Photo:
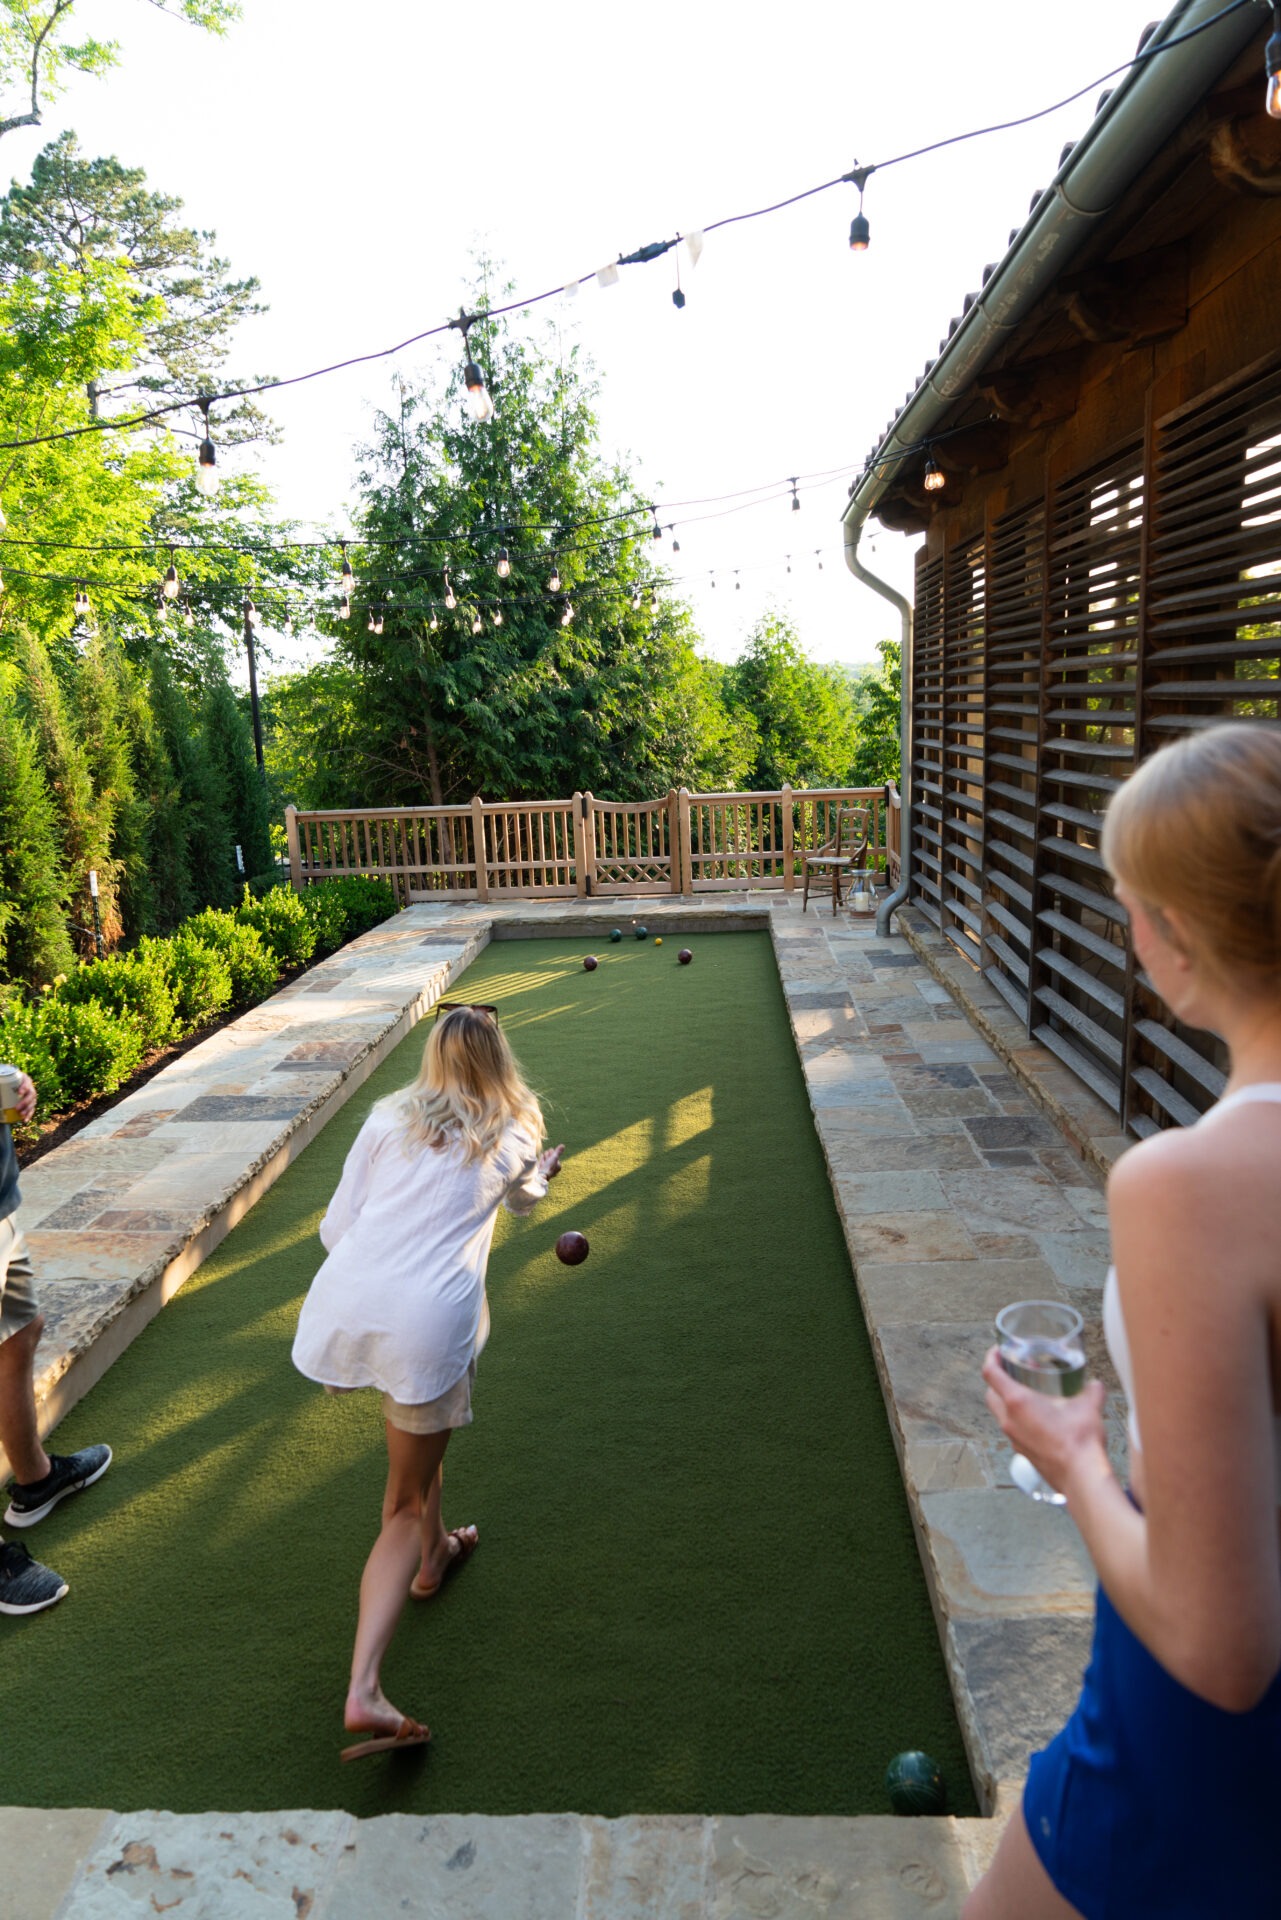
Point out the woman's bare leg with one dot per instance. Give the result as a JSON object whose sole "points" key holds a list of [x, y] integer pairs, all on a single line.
{"points": [[1016, 1885], [413, 1479]]}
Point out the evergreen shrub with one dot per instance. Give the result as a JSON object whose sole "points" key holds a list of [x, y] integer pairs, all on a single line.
{"points": [[250, 962], [93, 1049], [365, 903], [136, 988], [327, 915], [198, 976], [24, 1043], [282, 924]]}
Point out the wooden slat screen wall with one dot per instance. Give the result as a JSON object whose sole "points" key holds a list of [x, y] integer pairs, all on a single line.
{"points": [[965, 597], [927, 740], [1015, 606], [1079, 955], [1139, 600]]}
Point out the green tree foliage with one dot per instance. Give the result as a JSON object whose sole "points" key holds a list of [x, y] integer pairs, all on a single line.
{"points": [[877, 695], [447, 702], [230, 745], [36, 53], [102, 691], [84, 813], [202, 796], [802, 713], [34, 943]]}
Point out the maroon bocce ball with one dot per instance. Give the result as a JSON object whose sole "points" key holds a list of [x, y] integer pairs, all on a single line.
{"points": [[572, 1248], [684, 956], [590, 963]]}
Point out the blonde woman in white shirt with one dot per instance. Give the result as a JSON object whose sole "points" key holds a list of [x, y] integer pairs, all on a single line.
{"points": [[400, 1305]]}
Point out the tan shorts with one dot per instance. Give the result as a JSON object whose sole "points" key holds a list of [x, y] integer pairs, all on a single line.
{"points": [[18, 1303], [450, 1409]]}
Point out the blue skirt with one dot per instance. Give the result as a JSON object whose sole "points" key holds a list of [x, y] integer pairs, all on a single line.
{"points": [[1152, 1804]]}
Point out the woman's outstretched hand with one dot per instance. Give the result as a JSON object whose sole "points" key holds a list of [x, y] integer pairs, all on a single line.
{"points": [[1055, 1435], [549, 1162]]}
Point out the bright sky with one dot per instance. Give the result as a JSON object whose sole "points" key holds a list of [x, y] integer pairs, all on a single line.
{"points": [[354, 156]]}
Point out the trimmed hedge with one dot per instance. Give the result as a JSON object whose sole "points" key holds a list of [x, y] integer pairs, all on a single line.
{"points": [[92, 1029]]}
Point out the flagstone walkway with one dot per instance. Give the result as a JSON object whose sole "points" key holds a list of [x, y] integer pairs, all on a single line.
{"points": [[959, 1191]]}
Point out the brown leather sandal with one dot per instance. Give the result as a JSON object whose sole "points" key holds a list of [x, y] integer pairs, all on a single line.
{"points": [[468, 1541], [410, 1733]]}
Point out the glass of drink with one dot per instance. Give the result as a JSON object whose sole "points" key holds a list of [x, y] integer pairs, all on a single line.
{"points": [[10, 1081], [1040, 1344]]}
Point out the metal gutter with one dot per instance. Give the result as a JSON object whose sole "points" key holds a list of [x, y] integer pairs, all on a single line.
{"points": [[1129, 130]]}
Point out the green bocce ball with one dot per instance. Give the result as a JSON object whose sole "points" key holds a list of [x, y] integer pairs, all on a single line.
{"points": [[642, 933], [616, 935], [915, 1784]]}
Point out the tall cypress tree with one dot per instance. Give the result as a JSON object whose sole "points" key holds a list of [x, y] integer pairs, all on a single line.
{"points": [[101, 691], [34, 945], [209, 845], [231, 749], [84, 815]]}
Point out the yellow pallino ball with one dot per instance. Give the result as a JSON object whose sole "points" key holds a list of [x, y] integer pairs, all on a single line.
{"points": [[658, 940]]}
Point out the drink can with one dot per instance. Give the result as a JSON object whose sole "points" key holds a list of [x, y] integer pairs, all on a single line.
{"points": [[10, 1082]]}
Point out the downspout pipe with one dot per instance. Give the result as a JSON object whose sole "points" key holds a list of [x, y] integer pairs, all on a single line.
{"points": [[853, 533]]}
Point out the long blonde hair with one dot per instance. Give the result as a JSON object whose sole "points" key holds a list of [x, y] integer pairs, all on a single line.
{"points": [[468, 1091], [1198, 829]]}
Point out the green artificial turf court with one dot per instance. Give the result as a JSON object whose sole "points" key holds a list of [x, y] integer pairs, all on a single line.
{"points": [[697, 1588]]}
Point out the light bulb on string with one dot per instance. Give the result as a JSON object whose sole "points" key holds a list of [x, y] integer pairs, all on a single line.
{"points": [[81, 602], [250, 612], [434, 622], [1272, 62], [819, 557], [713, 579], [676, 545], [188, 617], [477, 624], [636, 599], [206, 460], [504, 563], [172, 585], [657, 530], [567, 614], [553, 579], [479, 398], [796, 498], [935, 478], [789, 562], [346, 578], [451, 598], [496, 615], [738, 585], [288, 628], [375, 620], [653, 599], [860, 232], [344, 609]]}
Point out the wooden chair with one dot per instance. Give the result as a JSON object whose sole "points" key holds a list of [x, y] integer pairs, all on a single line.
{"points": [[846, 850]]}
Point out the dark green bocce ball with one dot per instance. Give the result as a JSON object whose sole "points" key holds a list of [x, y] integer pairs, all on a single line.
{"points": [[616, 935], [642, 933], [915, 1784], [590, 963]]}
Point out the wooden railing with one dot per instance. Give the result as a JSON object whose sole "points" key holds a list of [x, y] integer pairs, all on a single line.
{"points": [[547, 849]]}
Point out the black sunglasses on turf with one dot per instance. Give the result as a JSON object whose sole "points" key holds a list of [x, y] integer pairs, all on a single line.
{"points": [[468, 1006]]}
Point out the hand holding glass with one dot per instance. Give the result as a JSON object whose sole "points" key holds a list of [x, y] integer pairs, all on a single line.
{"points": [[1040, 1345]]}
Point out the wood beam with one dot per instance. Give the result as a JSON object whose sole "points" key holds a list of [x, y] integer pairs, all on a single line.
{"points": [[1245, 154], [1141, 298], [1038, 393]]}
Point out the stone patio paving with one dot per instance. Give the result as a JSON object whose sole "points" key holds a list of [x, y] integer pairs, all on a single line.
{"points": [[959, 1190]]}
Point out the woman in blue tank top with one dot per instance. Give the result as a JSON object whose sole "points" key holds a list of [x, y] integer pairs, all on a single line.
{"points": [[1158, 1800]]}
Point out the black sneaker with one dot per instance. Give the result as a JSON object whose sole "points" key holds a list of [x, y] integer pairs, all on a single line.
{"points": [[68, 1473], [26, 1586]]}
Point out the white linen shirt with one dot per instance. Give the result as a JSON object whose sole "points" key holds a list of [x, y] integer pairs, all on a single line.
{"points": [[400, 1301]]}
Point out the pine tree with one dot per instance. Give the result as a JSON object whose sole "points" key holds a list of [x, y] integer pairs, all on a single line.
{"points": [[229, 742], [34, 945]]}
